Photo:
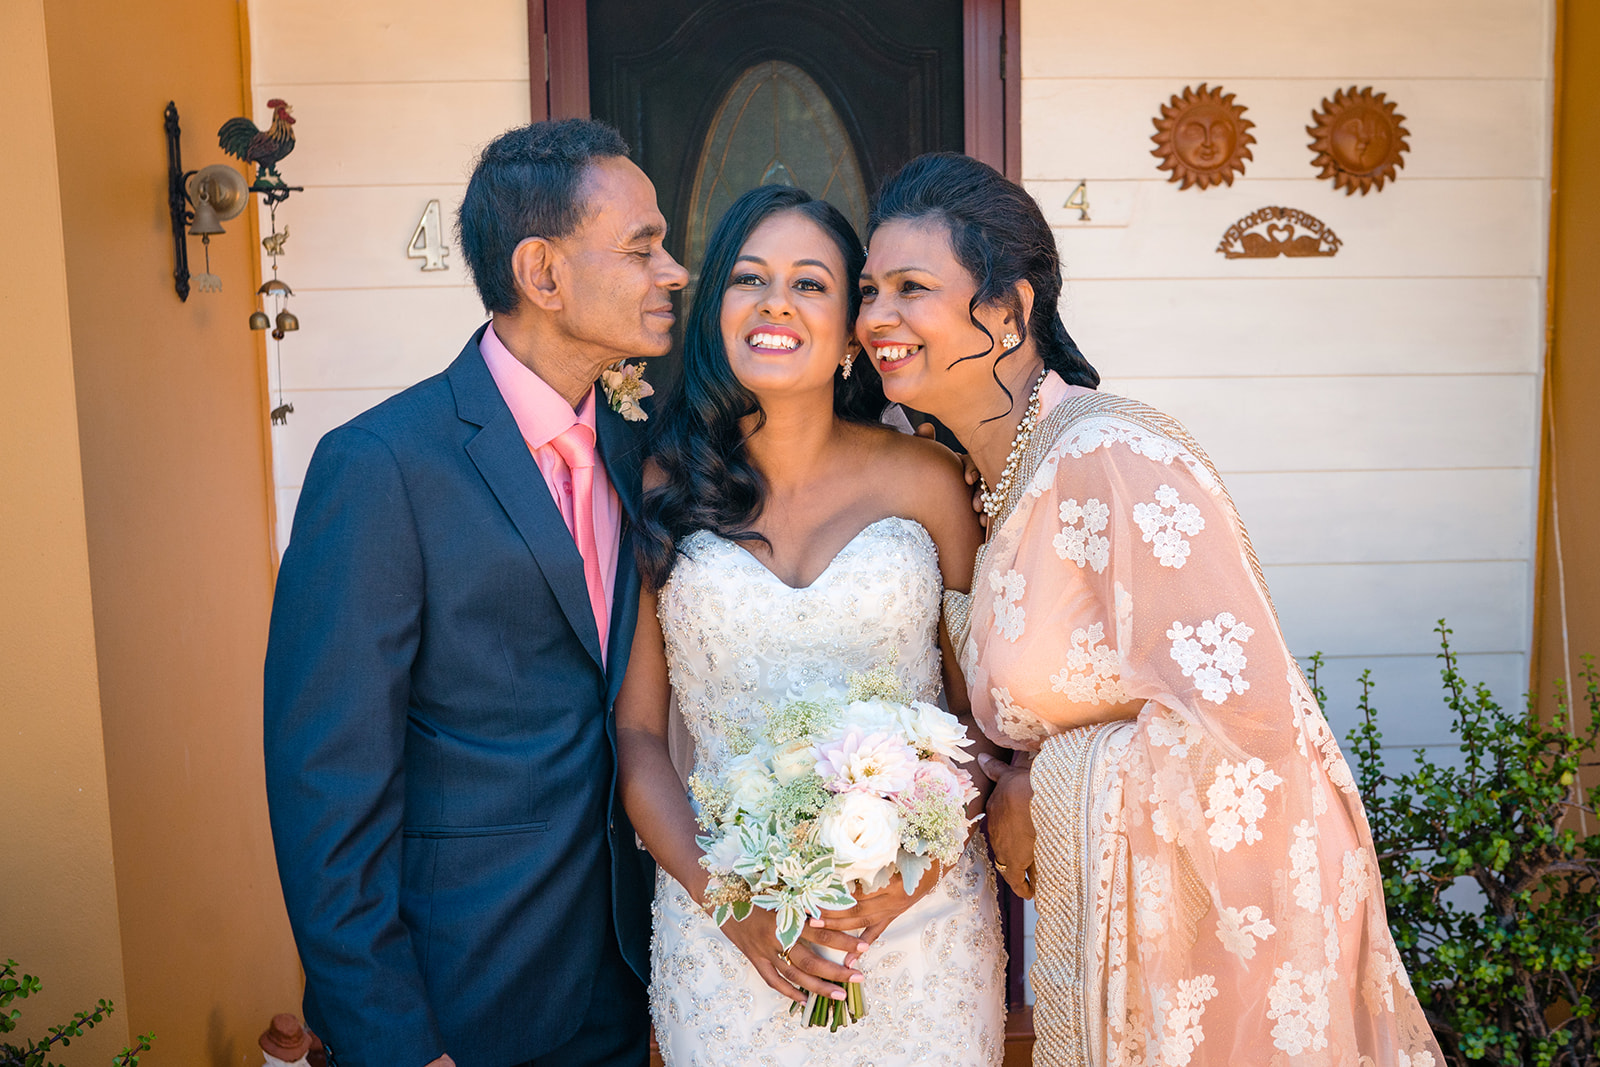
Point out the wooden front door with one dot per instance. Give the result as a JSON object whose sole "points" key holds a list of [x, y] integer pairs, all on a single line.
{"points": [[719, 97]]}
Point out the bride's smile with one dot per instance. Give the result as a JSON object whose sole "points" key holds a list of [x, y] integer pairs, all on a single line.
{"points": [[785, 311]]}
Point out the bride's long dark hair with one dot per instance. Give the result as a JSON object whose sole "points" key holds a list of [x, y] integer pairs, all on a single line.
{"points": [[698, 441]]}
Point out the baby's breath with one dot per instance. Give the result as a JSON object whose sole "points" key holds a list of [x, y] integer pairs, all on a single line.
{"points": [[709, 798], [726, 724], [880, 683], [801, 799], [798, 720], [933, 825], [720, 891]]}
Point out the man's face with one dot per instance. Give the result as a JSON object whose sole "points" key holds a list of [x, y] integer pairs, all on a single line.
{"points": [[615, 277]]}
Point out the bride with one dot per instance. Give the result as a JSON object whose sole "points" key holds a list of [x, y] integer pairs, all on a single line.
{"points": [[788, 538]]}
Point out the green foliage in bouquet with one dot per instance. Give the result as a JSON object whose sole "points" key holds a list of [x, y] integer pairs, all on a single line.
{"points": [[33, 1053], [1515, 980]]}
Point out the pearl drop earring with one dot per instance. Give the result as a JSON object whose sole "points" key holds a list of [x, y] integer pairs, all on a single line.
{"points": [[849, 361]]}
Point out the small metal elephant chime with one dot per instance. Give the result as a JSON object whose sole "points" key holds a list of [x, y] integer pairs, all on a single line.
{"points": [[241, 138]]}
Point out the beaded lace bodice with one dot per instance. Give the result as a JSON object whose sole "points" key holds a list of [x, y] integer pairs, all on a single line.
{"points": [[737, 636]]}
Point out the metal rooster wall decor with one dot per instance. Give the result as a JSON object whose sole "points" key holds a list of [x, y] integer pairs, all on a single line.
{"points": [[243, 139]]}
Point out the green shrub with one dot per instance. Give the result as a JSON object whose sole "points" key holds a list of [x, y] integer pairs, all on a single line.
{"points": [[33, 1053], [1512, 979]]}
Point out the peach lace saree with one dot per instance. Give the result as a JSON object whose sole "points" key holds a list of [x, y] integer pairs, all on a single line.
{"points": [[1206, 886]]}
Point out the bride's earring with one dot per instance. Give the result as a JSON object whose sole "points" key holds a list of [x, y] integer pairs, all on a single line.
{"points": [[849, 361], [1010, 341]]}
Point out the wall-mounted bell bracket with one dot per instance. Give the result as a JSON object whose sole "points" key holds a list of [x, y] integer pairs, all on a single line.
{"points": [[200, 201]]}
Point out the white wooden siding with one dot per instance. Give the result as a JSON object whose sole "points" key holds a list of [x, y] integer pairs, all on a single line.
{"points": [[1375, 412], [392, 101]]}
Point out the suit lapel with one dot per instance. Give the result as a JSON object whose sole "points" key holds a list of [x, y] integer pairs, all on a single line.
{"points": [[502, 457], [624, 615], [622, 448]]}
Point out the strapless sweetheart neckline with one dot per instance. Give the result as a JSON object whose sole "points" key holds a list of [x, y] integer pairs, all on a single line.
{"points": [[848, 545]]}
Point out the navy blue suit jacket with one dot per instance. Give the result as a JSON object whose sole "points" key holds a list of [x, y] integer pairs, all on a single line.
{"points": [[440, 749]]}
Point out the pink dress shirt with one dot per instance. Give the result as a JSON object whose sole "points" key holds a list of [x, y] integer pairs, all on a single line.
{"points": [[542, 416]]}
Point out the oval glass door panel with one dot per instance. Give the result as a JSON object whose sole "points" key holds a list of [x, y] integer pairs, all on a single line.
{"points": [[774, 127]]}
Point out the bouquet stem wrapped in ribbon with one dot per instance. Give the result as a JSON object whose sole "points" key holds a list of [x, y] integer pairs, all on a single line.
{"points": [[838, 791]]}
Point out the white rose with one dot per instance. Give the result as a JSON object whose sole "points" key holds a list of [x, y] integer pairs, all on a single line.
{"points": [[873, 716], [750, 784], [937, 730], [723, 855], [864, 832], [792, 760]]}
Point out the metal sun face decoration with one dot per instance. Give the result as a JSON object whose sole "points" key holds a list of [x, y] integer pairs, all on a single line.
{"points": [[1202, 137], [1358, 138]]}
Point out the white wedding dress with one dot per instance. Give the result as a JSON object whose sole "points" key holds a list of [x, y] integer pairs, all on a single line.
{"points": [[737, 636]]}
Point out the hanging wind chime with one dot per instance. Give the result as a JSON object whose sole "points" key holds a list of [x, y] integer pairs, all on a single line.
{"points": [[242, 139]]}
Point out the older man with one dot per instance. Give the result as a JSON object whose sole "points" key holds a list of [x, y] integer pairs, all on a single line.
{"points": [[453, 617]]}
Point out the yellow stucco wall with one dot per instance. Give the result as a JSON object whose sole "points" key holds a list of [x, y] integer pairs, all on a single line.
{"points": [[173, 529], [58, 904], [1573, 368]]}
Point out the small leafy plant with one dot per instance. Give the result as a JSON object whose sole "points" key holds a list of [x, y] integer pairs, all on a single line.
{"points": [[1513, 981], [13, 987]]}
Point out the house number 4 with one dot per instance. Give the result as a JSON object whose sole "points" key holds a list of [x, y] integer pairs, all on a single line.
{"points": [[427, 240], [1079, 201]]}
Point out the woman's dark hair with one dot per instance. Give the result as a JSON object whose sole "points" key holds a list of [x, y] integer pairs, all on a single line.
{"points": [[699, 441], [1000, 236], [527, 183]]}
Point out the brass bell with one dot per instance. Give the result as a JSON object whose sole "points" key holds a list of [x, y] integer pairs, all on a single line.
{"points": [[287, 323], [259, 320], [273, 287], [205, 222]]}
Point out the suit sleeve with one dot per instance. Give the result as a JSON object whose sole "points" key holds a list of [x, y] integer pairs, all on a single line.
{"points": [[346, 621]]}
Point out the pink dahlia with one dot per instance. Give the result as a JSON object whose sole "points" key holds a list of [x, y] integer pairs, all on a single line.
{"points": [[858, 762]]}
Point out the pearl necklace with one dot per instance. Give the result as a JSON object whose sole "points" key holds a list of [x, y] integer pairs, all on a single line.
{"points": [[993, 498]]}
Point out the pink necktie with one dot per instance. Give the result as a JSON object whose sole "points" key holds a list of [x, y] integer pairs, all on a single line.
{"points": [[576, 445]]}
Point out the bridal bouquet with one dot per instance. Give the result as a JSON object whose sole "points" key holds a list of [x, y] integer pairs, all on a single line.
{"points": [[840, 788]]}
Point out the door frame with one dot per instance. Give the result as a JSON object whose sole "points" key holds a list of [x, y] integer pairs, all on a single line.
{"points": [[558, 83], [558, 73]]}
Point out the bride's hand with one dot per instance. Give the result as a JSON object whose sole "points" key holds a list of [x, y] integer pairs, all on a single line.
{"points": [[1010, 821], [757, 938], [873, 912]]}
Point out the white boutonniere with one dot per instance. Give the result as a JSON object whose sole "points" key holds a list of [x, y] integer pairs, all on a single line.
{"points": [[625, 386]]}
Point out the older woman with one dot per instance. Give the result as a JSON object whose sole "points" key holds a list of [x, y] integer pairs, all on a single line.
{"points": [[1205, 881]]}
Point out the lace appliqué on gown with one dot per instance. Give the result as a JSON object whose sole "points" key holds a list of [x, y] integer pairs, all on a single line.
{"points": [[737, 636]]}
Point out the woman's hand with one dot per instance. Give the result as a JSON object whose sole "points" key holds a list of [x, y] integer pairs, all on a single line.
{"points": [[1011, 823], [969, 470], [872, 914], [757, 938]]}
